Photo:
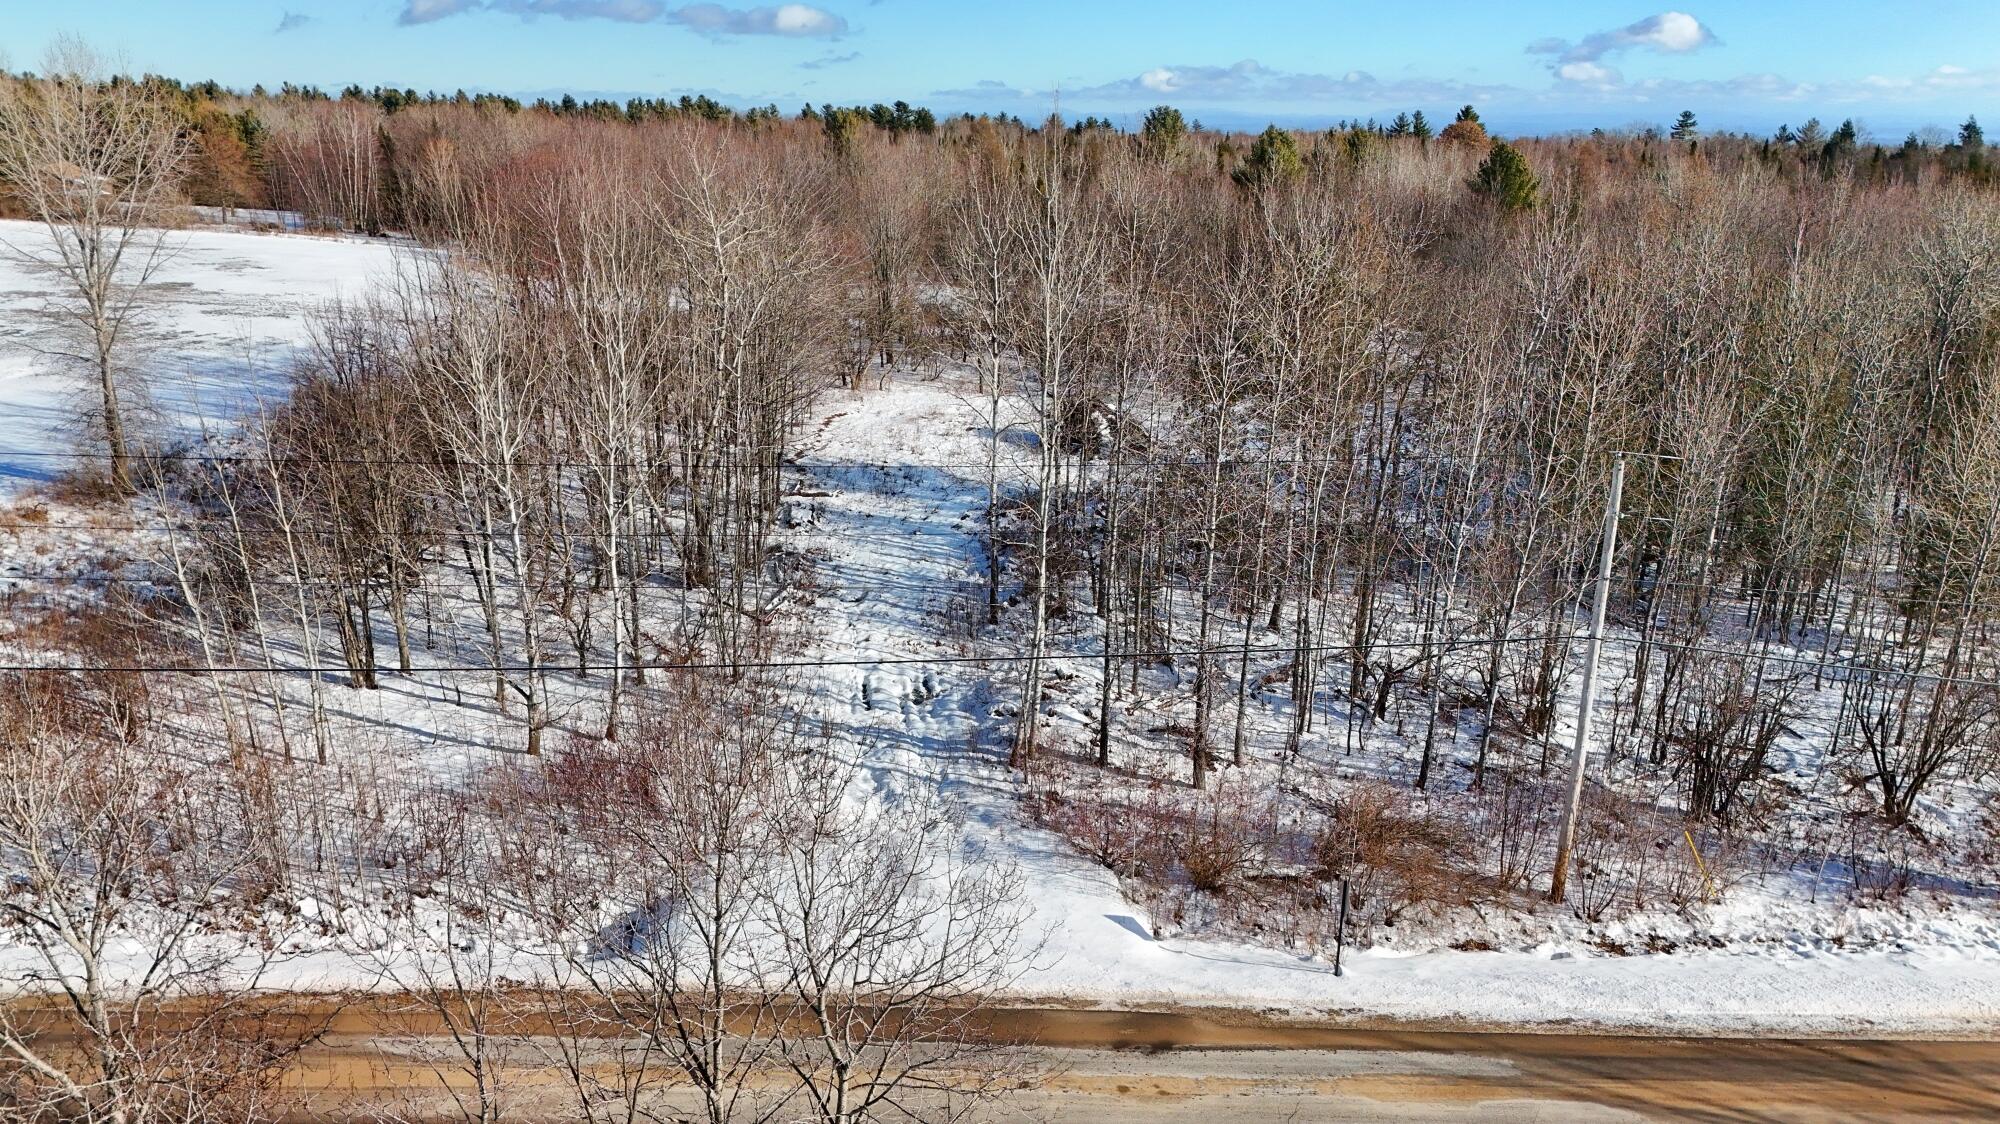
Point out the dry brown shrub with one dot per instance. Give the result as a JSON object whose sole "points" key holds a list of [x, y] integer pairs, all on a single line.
{"points": [[1631, 855], [1220, 840], [1214, 842], [87, 484], [1396, 853], [132, 853], [1514, 821], [105, 695], [1115, 829]]}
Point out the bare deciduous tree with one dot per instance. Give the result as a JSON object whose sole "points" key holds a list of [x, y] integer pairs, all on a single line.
{"points": [[127, 876], [96, 161], [891, 938]]}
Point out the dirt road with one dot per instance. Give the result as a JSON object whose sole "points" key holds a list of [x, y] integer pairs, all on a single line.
{"points": [[1113, 1067]]}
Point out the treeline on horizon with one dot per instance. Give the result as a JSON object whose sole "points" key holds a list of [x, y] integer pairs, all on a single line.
{"points": [[343, 159]]}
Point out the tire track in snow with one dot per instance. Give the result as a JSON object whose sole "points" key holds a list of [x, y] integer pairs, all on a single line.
{"points": [[896, 544]]}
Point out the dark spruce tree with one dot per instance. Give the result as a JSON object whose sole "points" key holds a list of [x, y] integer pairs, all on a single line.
{"points": [[1274, 159], [1162, 132], [1506, 180]]}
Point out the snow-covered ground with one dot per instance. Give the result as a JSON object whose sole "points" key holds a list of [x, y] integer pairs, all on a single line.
{"points": [[901, 553], [889, 498], [224, 314]]}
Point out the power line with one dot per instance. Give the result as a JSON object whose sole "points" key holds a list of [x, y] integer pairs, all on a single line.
{"points": [[1446, 647], [794, 464], [557, 666], [229, 577], [1725, 589], [1217, 651], [224, 529], [221, 525], [1855, 662]]}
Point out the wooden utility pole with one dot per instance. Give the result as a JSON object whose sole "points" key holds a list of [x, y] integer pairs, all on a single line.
{"points": [[1559, 884]]}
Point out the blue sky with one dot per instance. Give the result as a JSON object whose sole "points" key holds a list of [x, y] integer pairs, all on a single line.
{"points": [[1750, 64]]}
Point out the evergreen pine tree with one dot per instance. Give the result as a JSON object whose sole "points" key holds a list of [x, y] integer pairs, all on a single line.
{"points": [[1970, 136], [1162, 132], [1400, 127], [1686, 128], [1273, 159], [842, 126], [1838, 148], [1357, 143], [1420, 128], [1467, 114], [1506, 179]]}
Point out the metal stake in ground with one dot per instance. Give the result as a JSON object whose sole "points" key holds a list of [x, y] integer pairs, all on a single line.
{"points": [[1559, 883], [1340, 929]]}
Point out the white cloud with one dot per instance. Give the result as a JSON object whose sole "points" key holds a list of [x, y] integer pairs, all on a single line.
{"points": [[1949, 77], [795, 21], [829, 59], [803, 19], [1247, 81], [424, 11], [623, 11], [1587, 73], [1673, 33], [1580, 85]]}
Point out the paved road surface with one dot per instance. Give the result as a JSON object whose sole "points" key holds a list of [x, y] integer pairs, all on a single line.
{"points": [[1113, 1067]]}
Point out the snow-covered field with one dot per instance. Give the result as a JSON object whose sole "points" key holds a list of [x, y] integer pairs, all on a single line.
{"points": [[227, 310], [888, 497]]}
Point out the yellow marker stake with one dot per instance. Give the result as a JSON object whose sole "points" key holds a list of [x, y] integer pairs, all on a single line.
{"points": [[1700, 865]]}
